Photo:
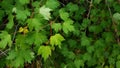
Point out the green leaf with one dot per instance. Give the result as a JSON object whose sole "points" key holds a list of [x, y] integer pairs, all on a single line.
{"points": [[85, 23], [19, 57], [34, 23], [39, 38], [27, 55], [56, 40], [86, 57], [57, 26], [63, 15], [6, 6], [118, 64], [36, 38], [72, 7], [5, 39], [22, 15], [90, 49], [113, 61], [52, 4], [85, 41], [45, 51], [118, 57], [24, 1], [97, 1], [78, 63], [11, 22], [67, 26], [72, 43], [95, 28], [1, 14], [20, 40], [45, 12], [11, 55], [70, 55], [19, 61], [109, 36]]}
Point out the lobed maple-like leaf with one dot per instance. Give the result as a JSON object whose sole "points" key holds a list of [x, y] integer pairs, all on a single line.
{"points": [[63, 15], [57, 26], [33, 24], [67, 26], [22, 15], [5, 39], [45, 51], [56, 40], [17, 58], [45, 12]]}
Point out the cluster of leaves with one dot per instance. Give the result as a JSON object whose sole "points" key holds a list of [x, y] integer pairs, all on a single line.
{"points": [[62, 33]]}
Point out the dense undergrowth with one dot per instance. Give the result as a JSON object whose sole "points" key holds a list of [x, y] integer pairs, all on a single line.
{"points": [[59, 33]]}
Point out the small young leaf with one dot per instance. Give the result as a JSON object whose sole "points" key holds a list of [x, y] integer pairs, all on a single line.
{"points": [[45, 51], [24, 30], [56, 40], [45, 12]]}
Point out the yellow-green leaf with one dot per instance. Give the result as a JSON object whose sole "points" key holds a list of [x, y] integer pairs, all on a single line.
{"points": [[44, 51], [56, 40]]}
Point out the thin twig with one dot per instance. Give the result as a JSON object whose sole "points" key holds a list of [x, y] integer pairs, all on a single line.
{"points": [[44, 26], [90, 6], [4, 52], [15, 32]]}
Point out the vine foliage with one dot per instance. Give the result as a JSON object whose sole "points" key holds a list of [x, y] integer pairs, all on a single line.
{"points": [[60, 33]]}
